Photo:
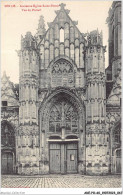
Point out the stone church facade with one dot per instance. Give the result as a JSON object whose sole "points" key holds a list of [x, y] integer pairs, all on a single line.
{"points": [[65, 114]]}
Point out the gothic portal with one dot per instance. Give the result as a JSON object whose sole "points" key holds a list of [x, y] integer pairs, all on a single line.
{"points": [[66, 118]]}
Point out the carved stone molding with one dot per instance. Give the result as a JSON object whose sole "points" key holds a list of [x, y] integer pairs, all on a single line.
{"points": [[28, 130]]}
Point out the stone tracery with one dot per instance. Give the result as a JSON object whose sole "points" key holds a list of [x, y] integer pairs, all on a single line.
{"points": [[7, 135], [63, 114], [62, 73]]}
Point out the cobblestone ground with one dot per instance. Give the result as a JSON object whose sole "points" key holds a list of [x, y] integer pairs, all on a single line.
{"points": [[61, 181]]}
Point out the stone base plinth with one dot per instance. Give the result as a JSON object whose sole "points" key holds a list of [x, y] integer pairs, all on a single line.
{"points": [[97, 170], [28, 170]]}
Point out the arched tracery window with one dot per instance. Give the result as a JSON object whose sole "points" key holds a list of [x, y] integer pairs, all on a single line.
{"points": [[7, 135], [63, 114], [117, 136], [55, 120], [117, 132], [71, 119], [62, 73], [118, 152]]}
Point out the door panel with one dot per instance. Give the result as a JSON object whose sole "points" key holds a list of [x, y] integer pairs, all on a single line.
{"points": [[4, 164], [118, 161], [72, 146], [55, 158], [71, 161], [118, 165], [63, 158], [10, 163], [7, 163]]}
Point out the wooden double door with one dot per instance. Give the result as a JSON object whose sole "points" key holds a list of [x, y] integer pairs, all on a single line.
{"points": [[63, 157], [7, 163]]}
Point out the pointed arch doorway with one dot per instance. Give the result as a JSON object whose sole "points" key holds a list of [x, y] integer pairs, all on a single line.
{"points": [[62, 133], [7, 148], [63, 120]]}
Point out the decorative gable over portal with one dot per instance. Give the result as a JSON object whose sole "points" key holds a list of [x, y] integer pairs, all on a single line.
{"points": [[61, 48]]}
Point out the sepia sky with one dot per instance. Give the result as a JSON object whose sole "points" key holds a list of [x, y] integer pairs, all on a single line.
{"points": [[15, 22]]}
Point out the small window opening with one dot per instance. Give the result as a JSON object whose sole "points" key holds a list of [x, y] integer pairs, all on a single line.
{"points": [[109, 77], [61, 35], [102, 111], [4, 103], [72, 157]]}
